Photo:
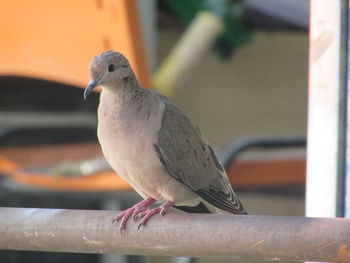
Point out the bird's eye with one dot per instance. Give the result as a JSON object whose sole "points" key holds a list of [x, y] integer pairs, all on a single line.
{"points": [[110, 68]]}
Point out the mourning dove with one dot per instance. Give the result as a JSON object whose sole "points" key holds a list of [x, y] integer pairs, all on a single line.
{"points": [[149, 142]]}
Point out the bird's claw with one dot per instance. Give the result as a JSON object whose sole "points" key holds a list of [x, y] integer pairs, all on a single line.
{"points": [[123, 216], [139, 212], [132, 211], [136, 215], [118, 217], [146, 214]]}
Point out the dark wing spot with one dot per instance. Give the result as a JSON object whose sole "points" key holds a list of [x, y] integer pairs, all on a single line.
{"points": [[216, 160], [195, 154], [148, 115], [203, 148]]}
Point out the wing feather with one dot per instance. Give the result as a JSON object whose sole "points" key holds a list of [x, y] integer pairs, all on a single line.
{"points": [[186, 155]]}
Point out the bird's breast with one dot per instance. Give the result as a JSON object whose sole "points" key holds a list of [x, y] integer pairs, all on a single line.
{"points": [[127, 135]]}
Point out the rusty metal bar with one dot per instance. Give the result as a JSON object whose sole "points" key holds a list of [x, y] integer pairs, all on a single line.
{"points": [[177, 234]]}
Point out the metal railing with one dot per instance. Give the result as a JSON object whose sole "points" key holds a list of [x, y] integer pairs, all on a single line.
{"points": [[177, 234]]}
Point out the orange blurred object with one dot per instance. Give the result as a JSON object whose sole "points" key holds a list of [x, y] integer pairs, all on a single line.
{"points": [[106, 181], [252, 174], [15, 161], [56, 40]]}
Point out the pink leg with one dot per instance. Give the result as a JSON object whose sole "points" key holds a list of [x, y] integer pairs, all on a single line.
{"points": [[148, 213], [124, 216]]}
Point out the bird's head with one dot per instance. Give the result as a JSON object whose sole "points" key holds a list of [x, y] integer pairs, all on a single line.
{"points": [[108, 70]]}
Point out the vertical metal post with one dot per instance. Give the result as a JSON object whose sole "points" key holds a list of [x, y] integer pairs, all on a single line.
{"points": [[346, 191], [326, 126]]}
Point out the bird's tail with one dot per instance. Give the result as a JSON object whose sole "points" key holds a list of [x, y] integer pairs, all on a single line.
{"points": [[205, 208]]}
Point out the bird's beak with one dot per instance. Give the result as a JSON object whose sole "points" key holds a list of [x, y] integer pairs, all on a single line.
{"points": [[92, 84]]}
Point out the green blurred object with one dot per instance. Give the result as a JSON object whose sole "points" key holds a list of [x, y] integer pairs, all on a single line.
{"points": [[229, 11]]}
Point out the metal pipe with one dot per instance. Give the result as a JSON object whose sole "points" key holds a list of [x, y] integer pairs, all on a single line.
{"points": [[325, 138], [177, 234], [345, 187]]}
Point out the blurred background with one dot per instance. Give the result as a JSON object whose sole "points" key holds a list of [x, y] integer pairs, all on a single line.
{"points": [[236, 68]]}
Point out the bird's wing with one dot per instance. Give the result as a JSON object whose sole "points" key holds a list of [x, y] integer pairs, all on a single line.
{"points": [[187, 156]]}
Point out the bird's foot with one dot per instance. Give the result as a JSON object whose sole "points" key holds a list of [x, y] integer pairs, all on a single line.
{"points": [[146, 214], [125, 215]]}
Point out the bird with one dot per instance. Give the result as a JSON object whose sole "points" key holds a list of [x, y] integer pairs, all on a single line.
{"points": [[155, 147]]}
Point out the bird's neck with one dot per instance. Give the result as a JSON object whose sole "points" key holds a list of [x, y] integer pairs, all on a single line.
{"points": [[128, 109], [123, 90]]}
